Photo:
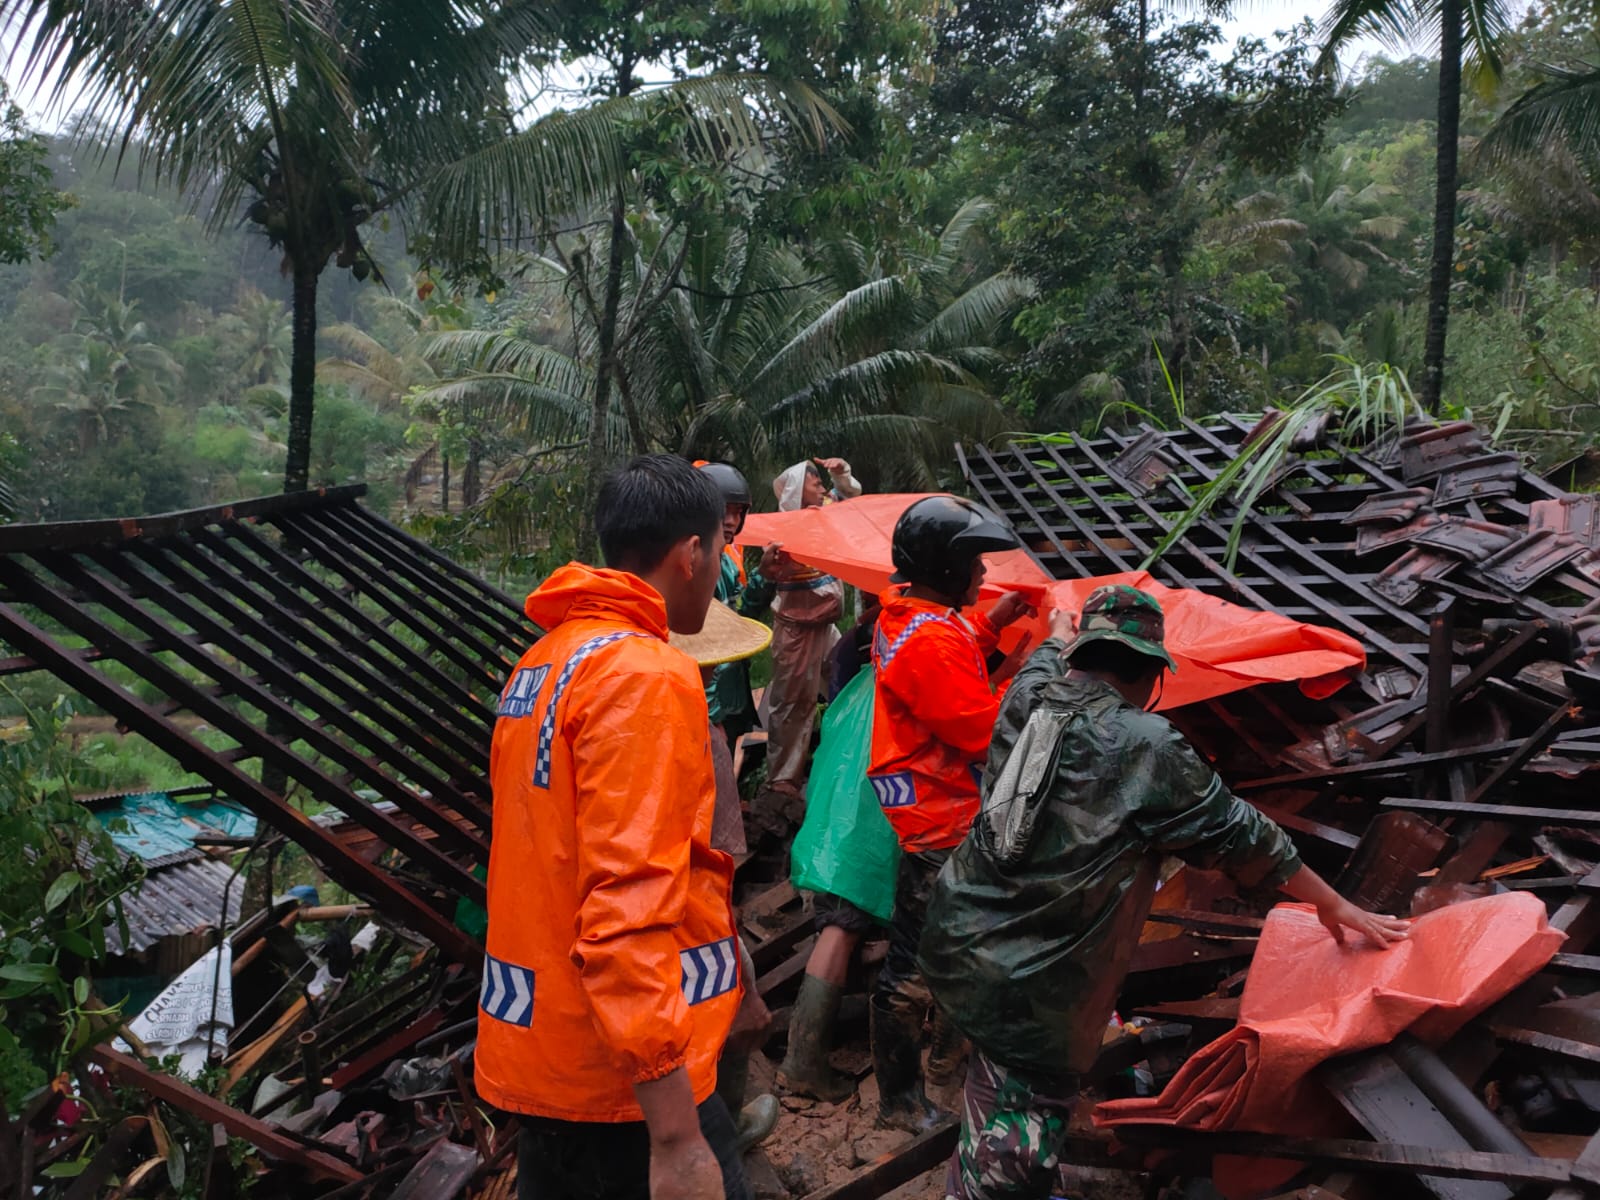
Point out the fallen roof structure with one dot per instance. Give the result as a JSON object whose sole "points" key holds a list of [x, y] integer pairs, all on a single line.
{"points": [[357, 664]]}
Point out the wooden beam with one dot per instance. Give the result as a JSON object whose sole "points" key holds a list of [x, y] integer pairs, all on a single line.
{"points": [[133, 1073], [900, 1167], [1385, 1157]]}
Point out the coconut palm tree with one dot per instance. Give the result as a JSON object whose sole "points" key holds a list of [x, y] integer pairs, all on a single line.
{"points": [[1544, 154], [1468, 34], [759, 355], [313, 117]]}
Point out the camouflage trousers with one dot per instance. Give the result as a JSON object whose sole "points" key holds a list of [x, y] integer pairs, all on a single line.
{"points": [[1013, 1125]]}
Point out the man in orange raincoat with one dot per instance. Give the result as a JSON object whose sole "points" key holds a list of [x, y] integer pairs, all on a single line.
{"points": [[612, 974], [932, 717]]}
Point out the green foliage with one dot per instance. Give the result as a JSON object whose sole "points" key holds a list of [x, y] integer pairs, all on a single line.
{"points": [[1362, 401], [60, 883], [29, 200]]}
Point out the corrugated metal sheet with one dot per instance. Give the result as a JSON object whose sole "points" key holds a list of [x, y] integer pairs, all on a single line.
{"points": [[176, 899]]}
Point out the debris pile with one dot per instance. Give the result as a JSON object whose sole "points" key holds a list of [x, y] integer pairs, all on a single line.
{"points": [[361, 668]]}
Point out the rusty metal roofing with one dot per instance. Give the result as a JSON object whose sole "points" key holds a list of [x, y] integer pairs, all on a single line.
{"points": [[181, 896]]}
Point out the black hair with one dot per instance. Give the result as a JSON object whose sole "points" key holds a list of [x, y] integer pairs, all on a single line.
{"points": [[650, 505], [1122, 663]]}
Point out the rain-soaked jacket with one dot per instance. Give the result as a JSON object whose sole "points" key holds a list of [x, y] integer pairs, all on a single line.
{"points": [[611, 953], [932, 718], [728, 691], [1034, 919]]}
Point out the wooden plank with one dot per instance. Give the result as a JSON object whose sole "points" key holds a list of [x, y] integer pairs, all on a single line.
{"points": [[1376, 1092], [63, 535], [389, 1048], [1515, 813], [878, 1178], [769, 953], [1549, 1042], [242, 1062], [133, 1073], [441, 1174], [775, 980], [1383, 1157], [348, 870]]}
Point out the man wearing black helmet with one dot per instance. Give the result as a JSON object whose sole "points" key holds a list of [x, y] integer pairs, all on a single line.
{"points": [[932, 718]]}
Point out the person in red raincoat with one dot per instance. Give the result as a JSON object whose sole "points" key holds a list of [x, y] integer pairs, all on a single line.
{"points": [[934, 712]]}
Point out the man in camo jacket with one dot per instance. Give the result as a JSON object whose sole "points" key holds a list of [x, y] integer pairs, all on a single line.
{"points": [[1035, 916]]}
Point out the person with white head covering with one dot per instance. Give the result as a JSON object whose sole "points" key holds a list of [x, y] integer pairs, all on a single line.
{"points": [[807, 606]]}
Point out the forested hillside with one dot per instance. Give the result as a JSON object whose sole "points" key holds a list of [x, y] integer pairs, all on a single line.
{"points": [[1022, 218]]}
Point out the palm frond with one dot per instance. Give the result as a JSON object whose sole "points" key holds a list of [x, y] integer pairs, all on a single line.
{"points": [[1561, 111], [976, 315], [490, 353], [567, 161], [825, 343]]}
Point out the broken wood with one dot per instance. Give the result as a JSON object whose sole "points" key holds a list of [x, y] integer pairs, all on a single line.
{"points": [[133, 1073]]}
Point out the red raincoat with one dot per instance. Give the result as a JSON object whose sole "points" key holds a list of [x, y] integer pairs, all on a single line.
{"points": [[932, 718]]}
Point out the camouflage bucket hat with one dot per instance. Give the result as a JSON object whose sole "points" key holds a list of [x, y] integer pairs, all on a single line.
{"points": [[1119, 613]]}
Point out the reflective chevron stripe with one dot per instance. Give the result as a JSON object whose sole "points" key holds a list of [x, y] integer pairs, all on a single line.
{"points": [[894, 791], [709, 970], [544, 751], [507, 992], [883, 650], [522, 693]]}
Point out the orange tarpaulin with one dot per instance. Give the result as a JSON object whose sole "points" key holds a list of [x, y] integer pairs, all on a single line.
{"points": [[1309, 998], [1219, 647]]}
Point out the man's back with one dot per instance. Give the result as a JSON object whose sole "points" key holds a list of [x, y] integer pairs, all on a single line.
{"points": [[1027, 940]]}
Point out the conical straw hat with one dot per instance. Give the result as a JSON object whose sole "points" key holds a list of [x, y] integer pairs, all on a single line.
{"points": [[726, 637]]}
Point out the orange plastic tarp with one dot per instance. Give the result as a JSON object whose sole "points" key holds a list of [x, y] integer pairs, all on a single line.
{"points": [[1309, 998], [1219, 647]]}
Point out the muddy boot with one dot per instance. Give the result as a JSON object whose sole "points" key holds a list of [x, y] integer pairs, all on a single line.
{"points": [[897, 1063], [806, 1070], [752, 1122], [755, 1122], [946, 1049]]}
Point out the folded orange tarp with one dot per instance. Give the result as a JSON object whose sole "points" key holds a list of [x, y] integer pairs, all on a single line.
{"points": [[1309, 999], [1219, 647]]}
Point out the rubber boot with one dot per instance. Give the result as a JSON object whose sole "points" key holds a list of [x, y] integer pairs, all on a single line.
{"points": [[806, 1070], [897, 1063], [753, 1122], [946, 1048], [756, 1122]]}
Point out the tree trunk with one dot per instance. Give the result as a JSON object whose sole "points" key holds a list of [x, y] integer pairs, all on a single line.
{"points": [[302, 379], [469, 474], [1444, 203], [599, 416]]}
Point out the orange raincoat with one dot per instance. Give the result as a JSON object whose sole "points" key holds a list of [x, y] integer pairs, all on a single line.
{"points": [[932, 718], [611, 951]]}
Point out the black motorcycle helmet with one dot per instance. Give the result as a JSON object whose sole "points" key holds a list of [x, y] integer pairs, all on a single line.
{"points": [[937, 539], [731, 483]]}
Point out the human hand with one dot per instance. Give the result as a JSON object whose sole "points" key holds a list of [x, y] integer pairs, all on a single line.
{"points": [[835, 466], [1062, 625], [752, 1024], [1013, 661], [684, 1170], [1009, 608], [1379, 929]]}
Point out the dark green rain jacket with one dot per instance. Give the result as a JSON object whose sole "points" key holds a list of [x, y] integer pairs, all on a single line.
{"points": [[728, 690], [1035, 917]]}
